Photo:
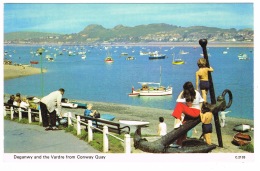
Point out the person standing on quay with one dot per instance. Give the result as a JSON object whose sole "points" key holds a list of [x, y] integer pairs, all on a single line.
{"points": [[48, 104]]}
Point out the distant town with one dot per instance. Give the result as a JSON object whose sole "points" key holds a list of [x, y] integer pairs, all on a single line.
{"points": [[156, 33]]}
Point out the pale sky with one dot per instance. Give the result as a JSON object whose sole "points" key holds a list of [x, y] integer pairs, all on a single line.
{"points": [[74, 17]]}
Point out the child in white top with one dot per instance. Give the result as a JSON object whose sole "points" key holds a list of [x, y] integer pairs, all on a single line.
{"points": [[162, 127]]}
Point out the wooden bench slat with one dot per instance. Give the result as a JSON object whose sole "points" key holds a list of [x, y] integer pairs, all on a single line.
{"points": [[102, 122]]}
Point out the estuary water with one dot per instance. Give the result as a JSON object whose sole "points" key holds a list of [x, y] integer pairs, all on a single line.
{"points": [[92, 79]]}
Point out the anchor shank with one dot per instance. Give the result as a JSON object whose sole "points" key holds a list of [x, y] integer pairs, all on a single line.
{"points": [[203, 44]]}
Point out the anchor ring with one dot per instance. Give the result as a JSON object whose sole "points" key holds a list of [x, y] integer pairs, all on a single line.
{"points": [[230, 97]]}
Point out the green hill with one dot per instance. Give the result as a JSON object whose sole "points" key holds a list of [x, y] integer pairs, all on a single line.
{"points": [[141, 33]]}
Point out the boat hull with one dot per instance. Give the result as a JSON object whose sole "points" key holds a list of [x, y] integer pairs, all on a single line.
{"points": [[241, 139], [178, 62], [109, 61], [242, 127], [166, 92], [157, 57], [34, 62]]}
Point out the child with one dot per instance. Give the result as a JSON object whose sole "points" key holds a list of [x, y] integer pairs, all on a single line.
{"points": [[202, 77], [90, 112], [162, 128], [206, 118]]}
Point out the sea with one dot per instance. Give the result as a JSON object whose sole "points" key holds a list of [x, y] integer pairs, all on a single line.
{"points": [[92, 79]]}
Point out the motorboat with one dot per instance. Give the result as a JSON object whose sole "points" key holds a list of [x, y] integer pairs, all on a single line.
{"points": [[157, 55], [242, 56]]}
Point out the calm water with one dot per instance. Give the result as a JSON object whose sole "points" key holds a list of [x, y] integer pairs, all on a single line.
{"points": [[94, 80]]}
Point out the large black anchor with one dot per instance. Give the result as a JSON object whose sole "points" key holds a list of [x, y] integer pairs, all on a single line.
{"points": [[203, 44], [162, 145]]}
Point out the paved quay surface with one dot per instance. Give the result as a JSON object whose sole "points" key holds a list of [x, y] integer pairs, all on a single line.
{"points": [[26, 138]]}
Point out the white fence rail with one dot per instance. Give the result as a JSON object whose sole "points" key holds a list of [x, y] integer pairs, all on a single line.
{"points": [[106, 134]]}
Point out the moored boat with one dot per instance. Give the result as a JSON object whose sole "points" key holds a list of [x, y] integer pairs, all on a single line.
{"points": [[182, 52], [225, 52], [242, 56], [124, 54], [34, 62], [242, 127], [177, 61], [109, 59], [144, 53], [241, 139], [130, 58], [157, 55], [152, 89], [83, 56]]}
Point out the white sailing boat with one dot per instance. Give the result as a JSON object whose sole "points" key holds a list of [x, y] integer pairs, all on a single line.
{"points": [[152, 89]]}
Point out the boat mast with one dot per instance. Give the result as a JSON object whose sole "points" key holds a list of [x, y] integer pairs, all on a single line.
{"points": [[160, 76]]}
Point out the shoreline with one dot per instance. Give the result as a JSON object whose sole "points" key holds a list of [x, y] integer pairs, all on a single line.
{"points": [[151, 115], [12, 71], [167, 44]]}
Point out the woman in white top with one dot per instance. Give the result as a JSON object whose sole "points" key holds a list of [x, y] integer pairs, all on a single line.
{"points": [[182, 107], [189, 103]]}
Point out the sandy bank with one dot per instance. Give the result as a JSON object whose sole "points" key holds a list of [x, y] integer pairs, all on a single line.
{"points": [[12, 71]]}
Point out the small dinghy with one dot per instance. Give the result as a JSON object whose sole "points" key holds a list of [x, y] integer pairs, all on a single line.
{"points": [[242, 128], [241, 139]]}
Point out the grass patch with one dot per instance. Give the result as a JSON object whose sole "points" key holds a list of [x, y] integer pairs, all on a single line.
{"points": [[248, 147]]}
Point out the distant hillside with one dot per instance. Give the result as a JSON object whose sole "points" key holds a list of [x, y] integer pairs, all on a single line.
{"points": [[142, 33], [26, 35]]}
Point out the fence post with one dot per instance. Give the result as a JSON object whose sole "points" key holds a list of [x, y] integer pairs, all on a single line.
{"points": [[40, 117], [69, 118], [4, 111], [105, 139], [12, 113], [29, 116], [20, 113], [90, 131], [127, 142], [78, 125]]}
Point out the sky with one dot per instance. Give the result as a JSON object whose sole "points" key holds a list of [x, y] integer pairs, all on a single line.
{"points": [[67, 18]]}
